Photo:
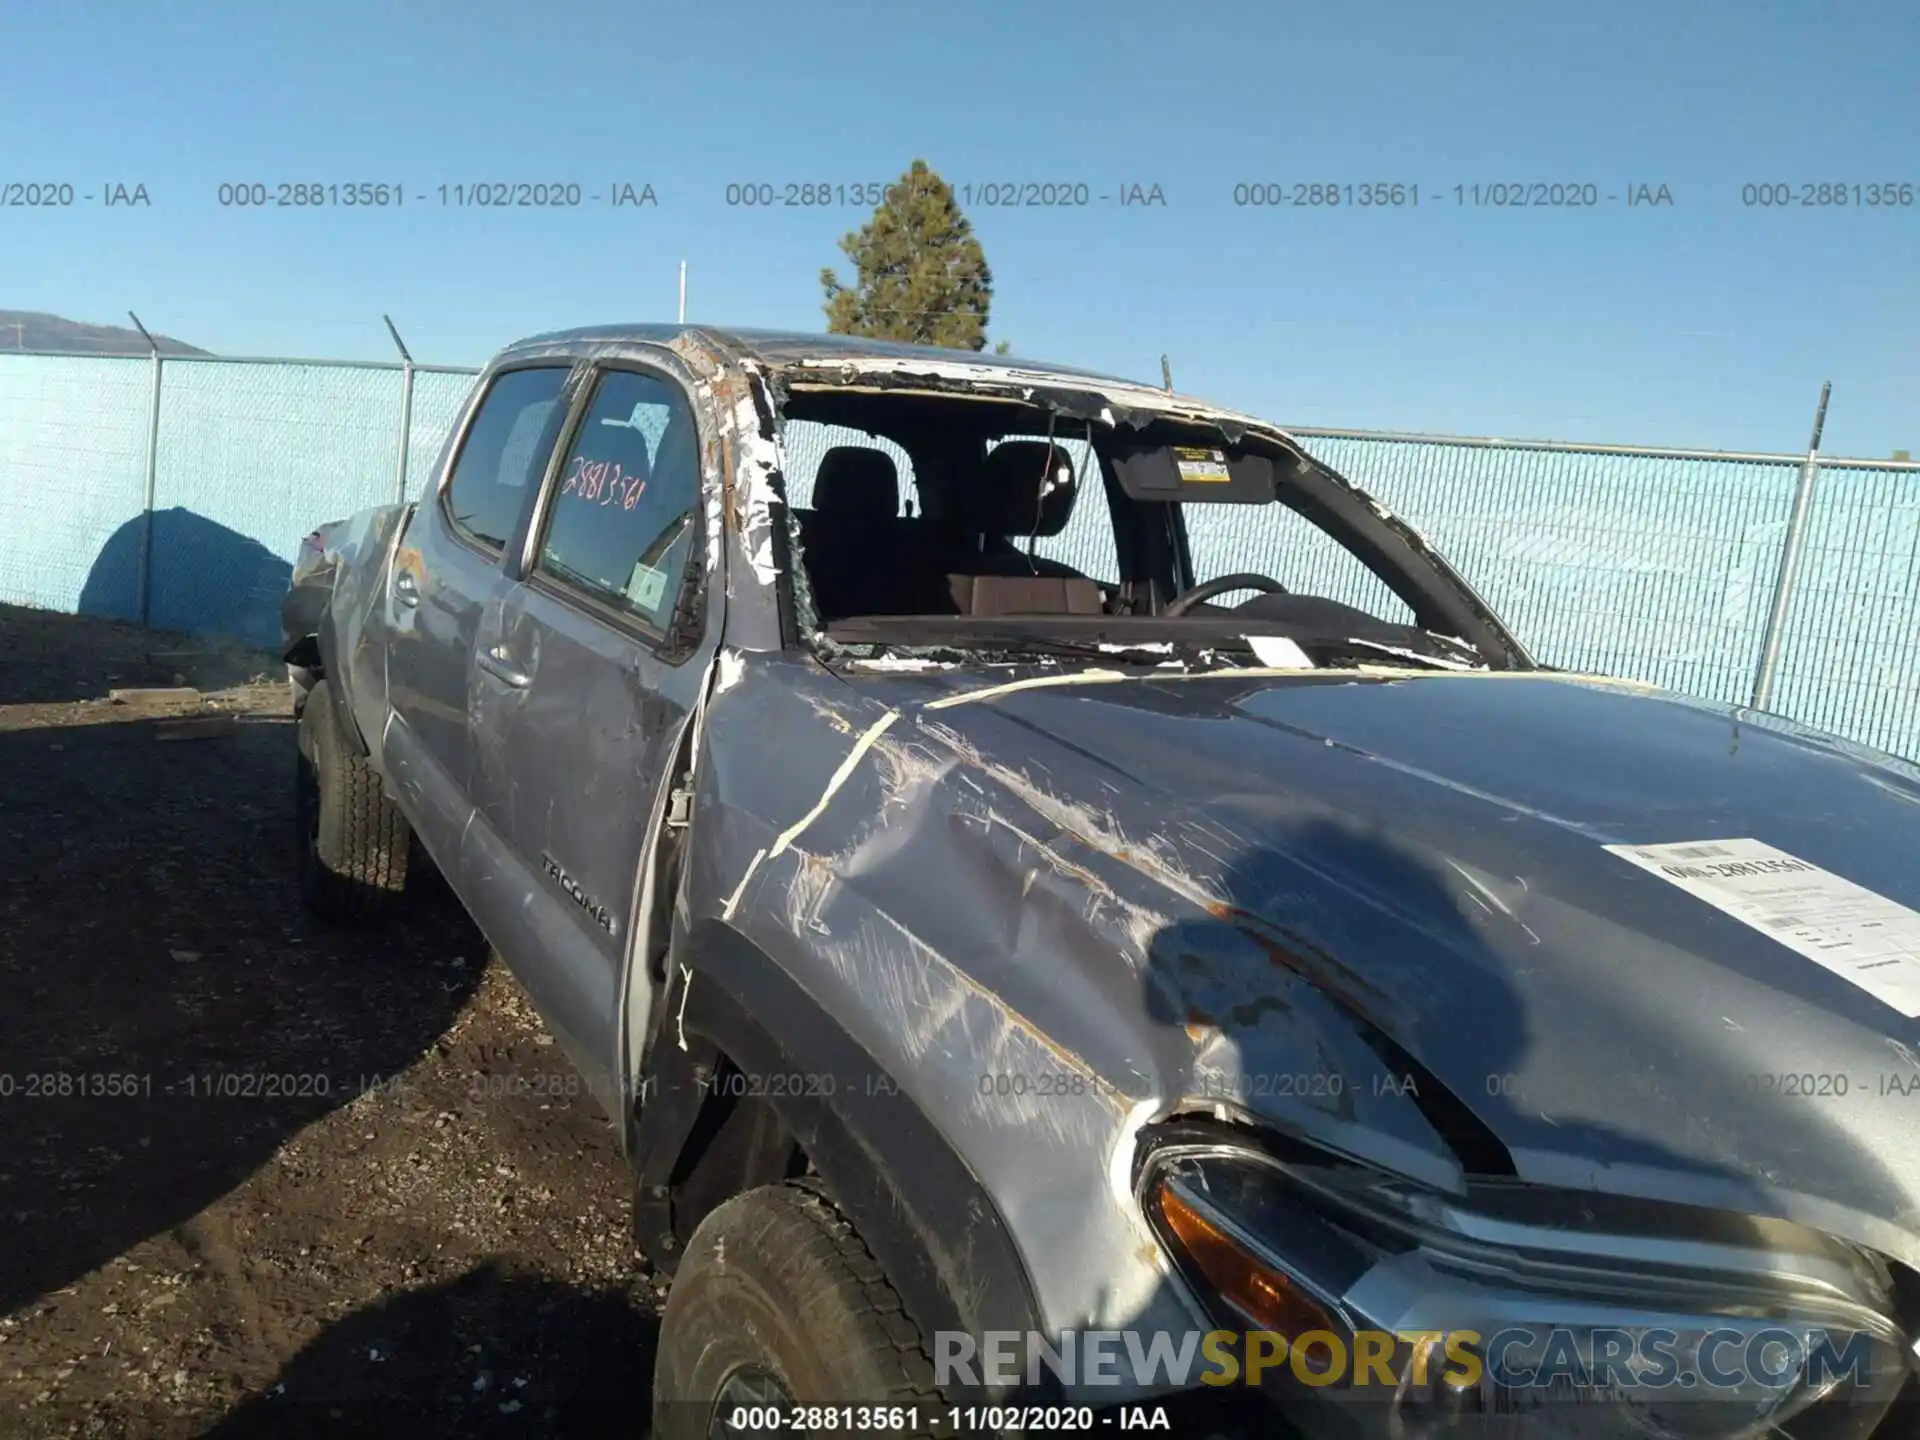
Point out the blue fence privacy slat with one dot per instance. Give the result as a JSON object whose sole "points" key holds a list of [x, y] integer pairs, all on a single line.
{"points": [[248, 456], [437, 398], [1652, 567], [1658, 566], [1850, 654], [73, 445]]}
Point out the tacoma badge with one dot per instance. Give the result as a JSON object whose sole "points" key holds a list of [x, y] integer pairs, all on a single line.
{"points": [[602, 916]]}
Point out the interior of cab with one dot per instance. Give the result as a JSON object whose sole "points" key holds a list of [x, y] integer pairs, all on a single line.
{"points": [[868, 554], [938, 517]]}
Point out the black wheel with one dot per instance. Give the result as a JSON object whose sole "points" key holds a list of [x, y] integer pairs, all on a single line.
{"points": [[354, 842], [778, 1302]]}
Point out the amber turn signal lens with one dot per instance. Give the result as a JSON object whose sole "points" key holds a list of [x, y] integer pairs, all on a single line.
{"points": [[1268, 1298]]}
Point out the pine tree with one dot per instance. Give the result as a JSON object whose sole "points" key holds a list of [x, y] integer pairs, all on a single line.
{"points": [[920, 275]]}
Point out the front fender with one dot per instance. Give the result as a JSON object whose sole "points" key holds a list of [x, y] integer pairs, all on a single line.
{"points": [[918, 1206]]}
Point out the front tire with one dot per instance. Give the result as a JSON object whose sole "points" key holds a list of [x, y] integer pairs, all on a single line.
{"points": [[778, 1302], [354, 842]]}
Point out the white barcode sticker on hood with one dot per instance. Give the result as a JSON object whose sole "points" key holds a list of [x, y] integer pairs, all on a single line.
{"points": [[1858, 934]]}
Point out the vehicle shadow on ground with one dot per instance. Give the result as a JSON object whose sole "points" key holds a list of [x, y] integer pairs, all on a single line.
{"points": [[488, 1353], [168, 1013], [203, 578]]}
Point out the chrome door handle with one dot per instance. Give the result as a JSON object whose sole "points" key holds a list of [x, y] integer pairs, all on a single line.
{"points": [[406, 589], [497, 663]]}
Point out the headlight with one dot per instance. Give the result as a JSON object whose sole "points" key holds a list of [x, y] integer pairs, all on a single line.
{"points": [[1567, 1314]]}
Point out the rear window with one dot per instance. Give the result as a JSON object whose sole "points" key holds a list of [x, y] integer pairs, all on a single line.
{"points": [[505, 452], [1087, 543], [807, 442]]}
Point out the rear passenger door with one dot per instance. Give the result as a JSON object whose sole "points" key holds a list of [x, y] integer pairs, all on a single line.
{"points": [[587, 669], [446, 572]]}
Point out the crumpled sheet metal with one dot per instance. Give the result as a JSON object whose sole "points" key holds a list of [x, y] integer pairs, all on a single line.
{"points": [[1039, 980]]}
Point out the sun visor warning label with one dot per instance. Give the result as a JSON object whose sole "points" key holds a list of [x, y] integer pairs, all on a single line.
{"points": [[1861, 936], [1201, 466]]}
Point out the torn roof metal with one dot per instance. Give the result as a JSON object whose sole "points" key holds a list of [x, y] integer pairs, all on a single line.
{"points": [[798, 358], [779, 361], [780, 348]]}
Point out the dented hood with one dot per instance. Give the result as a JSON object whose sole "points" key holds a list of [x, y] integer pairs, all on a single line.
{"points": [[1394, 924]]}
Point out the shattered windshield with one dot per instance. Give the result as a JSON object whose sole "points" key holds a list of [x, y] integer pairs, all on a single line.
{"points": [[973, 527]]}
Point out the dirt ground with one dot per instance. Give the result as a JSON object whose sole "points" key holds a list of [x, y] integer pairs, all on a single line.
{"points": [[259, 1177]]}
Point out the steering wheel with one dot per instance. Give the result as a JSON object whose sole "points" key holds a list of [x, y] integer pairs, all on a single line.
{"points": [[1225, 585]]}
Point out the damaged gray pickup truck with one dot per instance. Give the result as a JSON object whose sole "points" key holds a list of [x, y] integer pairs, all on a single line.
{"points": [[1036, 993]]}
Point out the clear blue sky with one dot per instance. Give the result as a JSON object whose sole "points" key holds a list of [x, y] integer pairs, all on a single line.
{"points": [[1704, 323]]}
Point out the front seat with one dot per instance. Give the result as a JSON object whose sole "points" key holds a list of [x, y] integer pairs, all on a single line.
{"points": [[612, 464], [863, 557], [857, 482], [1024, 490]]}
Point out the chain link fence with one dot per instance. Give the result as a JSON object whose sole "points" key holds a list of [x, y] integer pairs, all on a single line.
{"points": [[175, 491], [1662, 565], [73, 448], [1656, 565]]}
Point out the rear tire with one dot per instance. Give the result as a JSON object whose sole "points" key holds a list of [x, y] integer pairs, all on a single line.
{"points": [[354, 842], [779, 1302]]}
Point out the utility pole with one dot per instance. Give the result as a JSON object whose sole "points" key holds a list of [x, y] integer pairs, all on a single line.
{"points": [[683, 292]]}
